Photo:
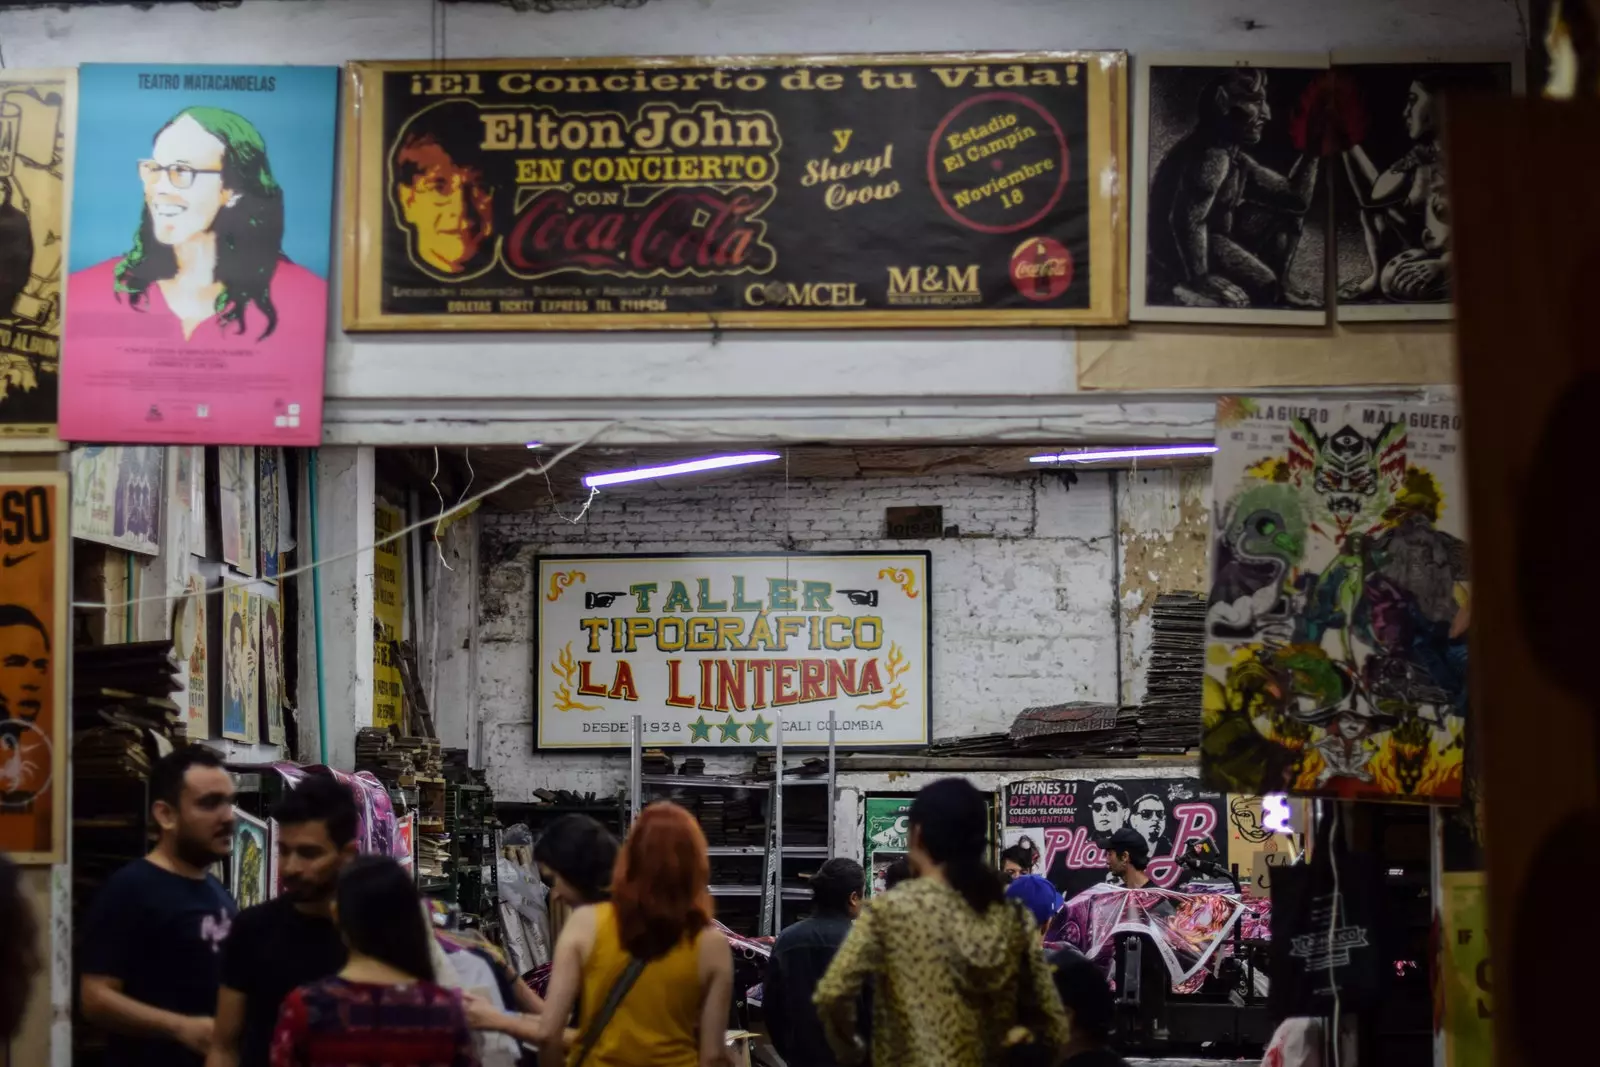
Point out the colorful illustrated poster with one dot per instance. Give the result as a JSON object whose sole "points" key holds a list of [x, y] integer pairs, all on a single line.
{"points": [[388, 608], [36, 120], [713, 649], [271, 669], [116, 495], [240, 681], [888, 834], [405, 840], [35, 630], [1336, 659], [202, 224], [252, 845], [777, 191], [269, 472], [195, 633], [236, 499], [1391, 199], [1067, 821], [1230, 190]]}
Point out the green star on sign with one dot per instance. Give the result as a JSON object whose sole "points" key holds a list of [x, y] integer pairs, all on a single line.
{"points": [[760, 730], [730, 729], [699, 730]]}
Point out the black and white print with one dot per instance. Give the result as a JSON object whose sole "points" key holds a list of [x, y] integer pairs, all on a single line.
{"points": [[1390, 193], [1231, 206]]}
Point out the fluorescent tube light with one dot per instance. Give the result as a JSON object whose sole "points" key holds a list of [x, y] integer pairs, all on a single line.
{"points": [[1148, 452], [710, 463]]}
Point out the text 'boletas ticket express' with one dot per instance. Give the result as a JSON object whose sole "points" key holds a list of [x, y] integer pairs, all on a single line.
{"points": [[776, 191]]}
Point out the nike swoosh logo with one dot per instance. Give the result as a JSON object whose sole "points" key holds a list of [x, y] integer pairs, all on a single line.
{"points": [[12, 561]]}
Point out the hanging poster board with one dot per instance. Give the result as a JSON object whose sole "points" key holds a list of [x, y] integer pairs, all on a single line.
{"points": [[229, 169], [271, 670], [388, 609], [236, 506], [241, 628], [35, 632], [768, 191], [116, 495], [191, 636], [1068, 821], [1337, 626], [252, 845], [888, 837], [37, 120], [711, 649]]}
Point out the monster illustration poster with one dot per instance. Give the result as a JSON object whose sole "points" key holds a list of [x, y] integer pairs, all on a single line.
{"points": [[36, 119], [251, 847], [116, 495], [1337, 627], [236, 506], [241, 692], [202, 223], [1230, 211], [34, 629], [1067, 821], [1391, 204], [269, 476], [271, 669]]}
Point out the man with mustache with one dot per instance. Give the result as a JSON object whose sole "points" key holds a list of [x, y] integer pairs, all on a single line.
{"points": [[290, 940], [153, 941]]}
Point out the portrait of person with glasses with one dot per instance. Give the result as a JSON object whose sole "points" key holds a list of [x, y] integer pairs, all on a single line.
{"points": [[207, 261]]}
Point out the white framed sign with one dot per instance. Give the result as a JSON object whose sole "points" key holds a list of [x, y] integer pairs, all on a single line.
{"points": [[710, 650]]}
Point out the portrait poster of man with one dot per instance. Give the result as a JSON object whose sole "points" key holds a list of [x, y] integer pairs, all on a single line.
{"points": [[269, 468], [34, 629], [236, 506], [1338, 618], [1230, 208], [271, 669], [241, 637], [116, 495], [198, 272], [192, 638], [1391, 202], [36, 122]]}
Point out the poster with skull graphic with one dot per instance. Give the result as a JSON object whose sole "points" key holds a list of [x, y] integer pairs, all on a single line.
{"points": [[1337, 622]]}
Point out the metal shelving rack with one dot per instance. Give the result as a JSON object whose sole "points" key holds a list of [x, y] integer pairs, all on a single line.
{"points": [[770, 888]]}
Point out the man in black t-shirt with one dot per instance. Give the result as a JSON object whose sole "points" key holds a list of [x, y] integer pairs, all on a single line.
{"points": [[1086, 995], [152, 944], [290, 940]]}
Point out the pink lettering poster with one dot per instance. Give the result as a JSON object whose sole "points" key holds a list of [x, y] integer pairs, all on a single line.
{"points": [[197, 294]]}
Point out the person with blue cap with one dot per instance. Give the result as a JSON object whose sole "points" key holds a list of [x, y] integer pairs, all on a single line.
{"points": [[1035, 893]]}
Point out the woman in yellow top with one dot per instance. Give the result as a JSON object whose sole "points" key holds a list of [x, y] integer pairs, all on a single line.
{"points": [[676, 1012], [958, 973]]}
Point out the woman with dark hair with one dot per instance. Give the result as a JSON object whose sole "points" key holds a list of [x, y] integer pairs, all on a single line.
{"points": [[575, 855], [209, 244], [383, 1006], [656, 976], [959, 975], [19, 950]]}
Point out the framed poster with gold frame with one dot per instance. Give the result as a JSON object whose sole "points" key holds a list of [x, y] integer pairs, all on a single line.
{"points": [[35, 632], [957, 189]]}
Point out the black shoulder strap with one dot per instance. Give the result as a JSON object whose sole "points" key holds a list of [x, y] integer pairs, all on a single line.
{"points": [[597, 1025]]}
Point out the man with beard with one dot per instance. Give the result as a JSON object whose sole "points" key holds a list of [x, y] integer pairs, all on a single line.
{"points": [[153, 939], [290, 940]]}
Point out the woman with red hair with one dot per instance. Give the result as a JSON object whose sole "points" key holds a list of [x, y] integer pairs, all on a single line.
{"points": [[652, 975]]}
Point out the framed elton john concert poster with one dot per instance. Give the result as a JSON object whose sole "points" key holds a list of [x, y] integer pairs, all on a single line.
{"points": [[197, 283]]}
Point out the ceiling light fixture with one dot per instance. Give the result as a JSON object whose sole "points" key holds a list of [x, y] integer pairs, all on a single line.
{"points": [[710, 463], [535, 444], [1149, 452]]}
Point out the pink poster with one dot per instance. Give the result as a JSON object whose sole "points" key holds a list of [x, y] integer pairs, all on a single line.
{"points": [[197, 298]]}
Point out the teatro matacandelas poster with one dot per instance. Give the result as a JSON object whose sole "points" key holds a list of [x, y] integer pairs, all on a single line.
{"points": [[1338, 623], [712, 650], [202, 205], [850, 191]]}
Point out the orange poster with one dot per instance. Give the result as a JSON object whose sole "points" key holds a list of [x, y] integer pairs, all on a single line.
{"points": [[33, 633]]}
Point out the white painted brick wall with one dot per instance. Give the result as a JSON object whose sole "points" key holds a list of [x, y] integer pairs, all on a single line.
{"points": [[1023, 601]]}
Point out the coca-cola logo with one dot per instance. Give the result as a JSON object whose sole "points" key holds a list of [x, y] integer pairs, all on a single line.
{"points": [[1050, 268], [1041, 268], [694, 230]]}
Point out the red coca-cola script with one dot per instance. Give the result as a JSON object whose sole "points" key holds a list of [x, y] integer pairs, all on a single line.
{"points": [[697, 230]]}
